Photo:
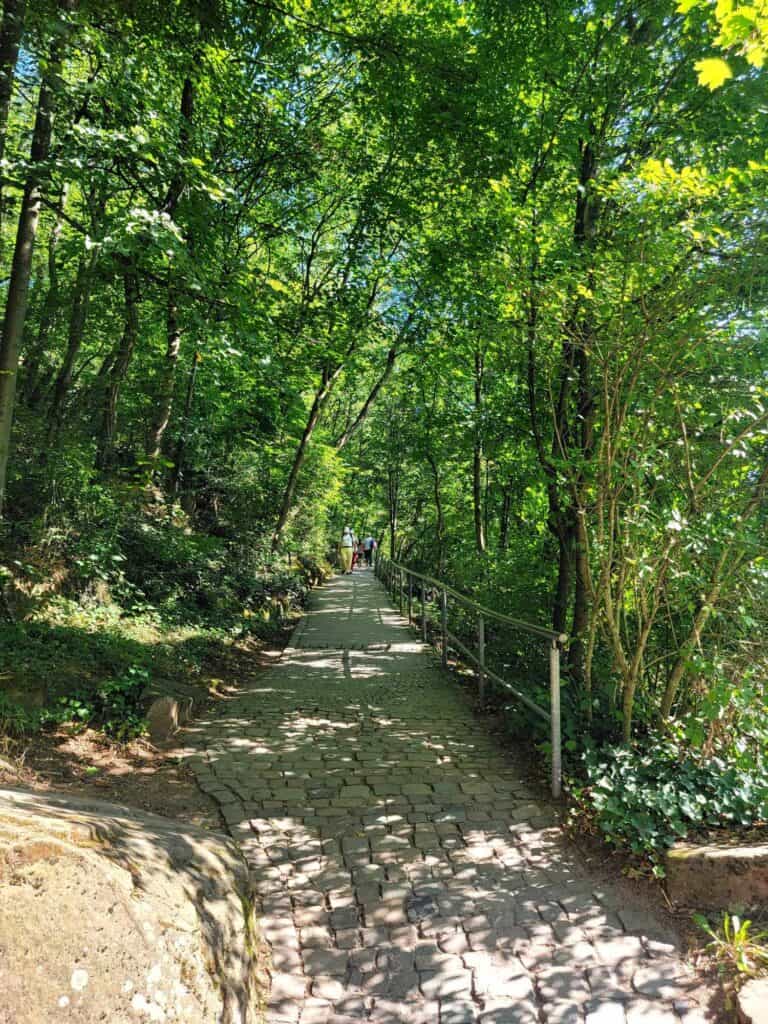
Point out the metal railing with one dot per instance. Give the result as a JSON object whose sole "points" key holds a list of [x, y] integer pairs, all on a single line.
{"points": [[399, 580]]}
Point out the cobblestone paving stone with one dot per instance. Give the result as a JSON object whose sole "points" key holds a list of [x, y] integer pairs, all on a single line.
{"points": [[403, 871]]}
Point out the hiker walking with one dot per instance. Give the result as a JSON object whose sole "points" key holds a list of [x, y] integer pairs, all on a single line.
{"points": [[369, 546], [346, 549]]}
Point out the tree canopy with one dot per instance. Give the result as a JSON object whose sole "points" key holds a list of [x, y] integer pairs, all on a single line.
{"points": [[483, 278]]}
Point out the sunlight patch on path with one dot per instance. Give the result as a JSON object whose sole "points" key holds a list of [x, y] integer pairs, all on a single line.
{"points": [[404, 870]]}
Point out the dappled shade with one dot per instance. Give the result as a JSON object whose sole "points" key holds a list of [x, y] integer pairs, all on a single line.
{"points": [[405, 869]]}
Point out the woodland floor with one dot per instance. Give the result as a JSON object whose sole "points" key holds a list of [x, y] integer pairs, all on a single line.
{"points": [[139, 774]]}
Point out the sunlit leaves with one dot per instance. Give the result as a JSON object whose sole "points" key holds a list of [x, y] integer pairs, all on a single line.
{"points": [[712, 72], [743, 30]]}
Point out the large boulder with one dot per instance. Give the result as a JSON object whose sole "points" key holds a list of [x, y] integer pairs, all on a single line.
{"points": [[109, 914]]}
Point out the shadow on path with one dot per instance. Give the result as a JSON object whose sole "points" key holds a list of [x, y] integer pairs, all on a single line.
{"points": [[403, 870]]}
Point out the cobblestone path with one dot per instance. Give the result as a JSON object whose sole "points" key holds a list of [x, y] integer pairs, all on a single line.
{"points": [[403, 870]]}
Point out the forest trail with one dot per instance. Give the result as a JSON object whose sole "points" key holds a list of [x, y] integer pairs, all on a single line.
{"points": [[403, 870]]}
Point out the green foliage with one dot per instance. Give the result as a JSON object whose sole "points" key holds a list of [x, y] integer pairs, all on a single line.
{"points": [[115, 706], [17, 721], [645, 799], [145, 593], [728, 715], [742, 29], [283, 281], [735, 946], [713, 71]]}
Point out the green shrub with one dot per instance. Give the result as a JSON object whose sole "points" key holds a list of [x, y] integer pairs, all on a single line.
{"points": [[117, 704], [114, 707], [646, 800], [191, 577], [735, 946], [16, 721]]}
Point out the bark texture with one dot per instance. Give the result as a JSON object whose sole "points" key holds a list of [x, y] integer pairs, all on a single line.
{"points": [[10, 37], [119, 368], [21, 268]]}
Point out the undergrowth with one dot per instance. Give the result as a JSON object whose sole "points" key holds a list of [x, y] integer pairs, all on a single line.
{"points": [[739, 950], [645, 800], [141, 601]]}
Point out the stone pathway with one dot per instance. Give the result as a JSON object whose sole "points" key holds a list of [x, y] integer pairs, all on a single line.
{"points": [[403, 870]]}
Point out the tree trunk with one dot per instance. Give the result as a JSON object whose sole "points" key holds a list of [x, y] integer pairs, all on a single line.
{"points": [[393, 486], [322, 393], [167, 388], [584, 330], [366, 408], [176, 187], [18, 288], [558, 521], [581, 603], [119, 368], [477, 457], [102, 374], [563, 583], [80, 303], [504, 516], [560, 518], [582, 588], [440, 518], [178, 471], [10, 37], [33, 386]]}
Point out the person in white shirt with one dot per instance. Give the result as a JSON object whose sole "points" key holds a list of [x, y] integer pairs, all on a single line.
{"points": [[346, 547]]}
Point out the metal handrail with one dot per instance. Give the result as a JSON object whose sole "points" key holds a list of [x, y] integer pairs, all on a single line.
{"points": [[555, 641], [489, 613]]}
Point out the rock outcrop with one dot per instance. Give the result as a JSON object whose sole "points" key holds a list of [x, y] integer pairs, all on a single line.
{"points": [[717, 876], [109, 914]]}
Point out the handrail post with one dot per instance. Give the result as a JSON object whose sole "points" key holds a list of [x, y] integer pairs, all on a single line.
{"points": [[481, 657], [410, 599], [554, 697], [400, 590], [423, 612], [444, 625]]}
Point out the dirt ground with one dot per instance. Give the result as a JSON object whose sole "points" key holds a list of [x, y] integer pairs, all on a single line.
{"points": [[137, 774]]}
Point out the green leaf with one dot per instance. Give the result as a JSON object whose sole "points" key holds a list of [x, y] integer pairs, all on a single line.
{"points": [[713, 71], [276, 285]]}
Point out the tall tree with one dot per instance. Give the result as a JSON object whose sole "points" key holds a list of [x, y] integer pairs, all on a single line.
{"points": [[29, 216], [11, 31]]}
